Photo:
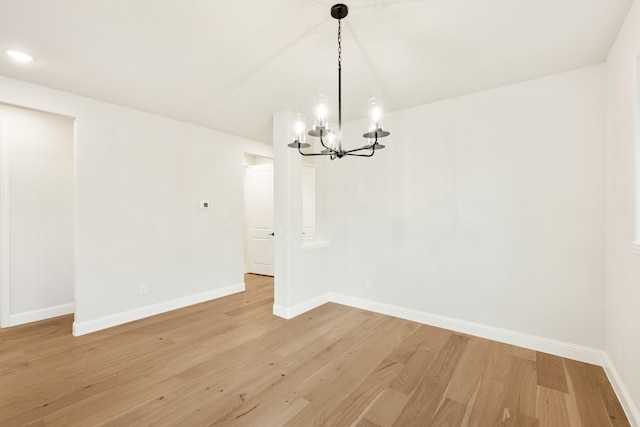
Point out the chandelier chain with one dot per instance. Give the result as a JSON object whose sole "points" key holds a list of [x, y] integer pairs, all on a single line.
{"points": [[339, 43]]}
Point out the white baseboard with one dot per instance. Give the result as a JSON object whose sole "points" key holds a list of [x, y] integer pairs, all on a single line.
{"points": [[298, 309], [81, 328], [533, 342], [281, 311], [630, 409], [40, 314]]}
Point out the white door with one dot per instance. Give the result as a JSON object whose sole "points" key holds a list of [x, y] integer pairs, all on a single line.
{"points": [[259, 211]]}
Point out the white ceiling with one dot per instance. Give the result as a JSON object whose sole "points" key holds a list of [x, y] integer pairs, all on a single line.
{"points": [[230, 65]]}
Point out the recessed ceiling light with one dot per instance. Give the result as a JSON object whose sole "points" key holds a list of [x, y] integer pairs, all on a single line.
{"points": [[16, 55]]}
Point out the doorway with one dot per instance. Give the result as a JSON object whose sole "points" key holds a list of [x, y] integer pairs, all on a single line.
{"points": [[259, 231], [37, 215]]}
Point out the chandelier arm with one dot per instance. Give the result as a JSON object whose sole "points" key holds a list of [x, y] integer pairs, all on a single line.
{"points": [[309, 154], [315, 154], [322, 142], [357, 149], [361, 155], [366, 147]]}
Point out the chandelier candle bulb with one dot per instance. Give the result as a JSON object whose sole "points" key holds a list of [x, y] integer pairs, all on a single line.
{"points": [[322, 112], [375, 114], [331, 140], [299, 128]]}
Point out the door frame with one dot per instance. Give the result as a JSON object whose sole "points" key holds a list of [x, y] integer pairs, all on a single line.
{"points": [[244, 206]]}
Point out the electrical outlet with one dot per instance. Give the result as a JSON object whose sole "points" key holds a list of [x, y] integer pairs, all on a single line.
{"points": [[143, 290], [367, 284]]}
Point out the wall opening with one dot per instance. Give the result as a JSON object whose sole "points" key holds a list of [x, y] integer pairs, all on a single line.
{"points": [[37, 203], [259, 229]]}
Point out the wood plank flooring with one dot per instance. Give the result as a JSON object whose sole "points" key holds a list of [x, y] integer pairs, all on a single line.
{"points": [[230, 362]]}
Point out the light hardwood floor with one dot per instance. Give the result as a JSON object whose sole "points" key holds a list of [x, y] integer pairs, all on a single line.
{"points": [[231, 362]]}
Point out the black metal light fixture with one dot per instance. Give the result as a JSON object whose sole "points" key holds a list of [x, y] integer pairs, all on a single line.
{"points": [[331, 139]]}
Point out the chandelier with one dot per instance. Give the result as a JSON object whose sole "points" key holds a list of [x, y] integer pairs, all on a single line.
{"points": [[331, 139]]}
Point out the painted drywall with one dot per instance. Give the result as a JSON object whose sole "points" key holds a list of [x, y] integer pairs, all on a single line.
{"points": [[487, 208], [40, 212], [301, 275], [622, 264], [139, 180]]}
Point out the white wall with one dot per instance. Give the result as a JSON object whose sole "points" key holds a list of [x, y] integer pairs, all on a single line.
{"points": [[301, 275], [40, 213], [622, 265], [487, 208], [139, 178]]}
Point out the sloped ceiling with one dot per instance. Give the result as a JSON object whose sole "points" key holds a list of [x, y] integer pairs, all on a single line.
{"points": [[230, 65]]}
